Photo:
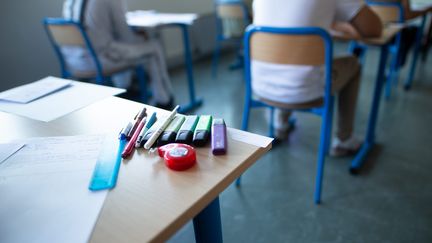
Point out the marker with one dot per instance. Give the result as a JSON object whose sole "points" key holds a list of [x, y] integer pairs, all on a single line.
{"points": [[147, 126], [218, 137], [186, 131], [141, 114], [202, 131], [170, 133], [159, 131], [131, 144], [125, 131]]}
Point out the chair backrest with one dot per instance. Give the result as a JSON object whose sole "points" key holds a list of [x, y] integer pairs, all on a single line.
{"points": [[388, 12], [232, 16], [293, 46], [61, 33]]}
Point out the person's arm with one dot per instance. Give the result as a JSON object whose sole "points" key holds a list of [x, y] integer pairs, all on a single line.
{"points": [[367, 23]]}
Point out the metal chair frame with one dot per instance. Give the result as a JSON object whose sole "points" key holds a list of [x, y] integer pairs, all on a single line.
{"points": [[325, 111], [100, 77]]}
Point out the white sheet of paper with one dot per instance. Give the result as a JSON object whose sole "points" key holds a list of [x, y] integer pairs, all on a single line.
{"points": [[8, 149], [249, 138], [151, 18], [33, 91], [44, 191], [62, 102]]}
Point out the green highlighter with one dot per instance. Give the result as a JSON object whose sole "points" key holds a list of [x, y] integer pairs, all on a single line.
{"points": [[185, 134], [170, 133], [202, 131]]}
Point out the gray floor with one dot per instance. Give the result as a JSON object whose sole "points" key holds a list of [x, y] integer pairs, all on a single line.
{"points": [[389, 201]]}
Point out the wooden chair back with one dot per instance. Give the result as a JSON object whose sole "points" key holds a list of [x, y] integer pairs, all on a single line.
{"points": [[67, 35], [288, 49]]}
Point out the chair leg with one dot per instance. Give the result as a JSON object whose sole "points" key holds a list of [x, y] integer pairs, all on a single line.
{"points": [[409, 80], [216, 56], [142, 82], [392, 75], [271, 123], [324, 140]]}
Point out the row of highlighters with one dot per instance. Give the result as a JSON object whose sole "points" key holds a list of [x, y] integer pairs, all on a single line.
{"points": [[174, 135]]}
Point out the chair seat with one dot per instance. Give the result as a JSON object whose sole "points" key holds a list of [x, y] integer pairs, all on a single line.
{"points": [[293, 106]]}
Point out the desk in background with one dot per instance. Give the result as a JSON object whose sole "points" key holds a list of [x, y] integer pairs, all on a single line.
{"points": [[383, 42], [150, 202], [151, 19]]}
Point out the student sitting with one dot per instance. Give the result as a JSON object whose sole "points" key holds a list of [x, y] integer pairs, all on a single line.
{"points": [[299, 84], [117, 46]]}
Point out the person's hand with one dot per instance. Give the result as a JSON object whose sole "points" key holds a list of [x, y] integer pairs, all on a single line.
{"points": [[345, 28]]}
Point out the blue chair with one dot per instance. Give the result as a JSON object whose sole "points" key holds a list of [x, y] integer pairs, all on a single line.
{"points": [[232, 17], [295, 46], [62, 33], [393, 12]]}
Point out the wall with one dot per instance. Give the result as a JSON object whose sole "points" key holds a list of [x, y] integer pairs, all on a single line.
{"points": [[25, 53]]}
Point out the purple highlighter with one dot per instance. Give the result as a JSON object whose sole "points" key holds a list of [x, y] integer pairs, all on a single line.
{"points": [[218, 137]]}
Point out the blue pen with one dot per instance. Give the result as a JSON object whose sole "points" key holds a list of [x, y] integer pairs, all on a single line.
{"points": [[149, 123]]}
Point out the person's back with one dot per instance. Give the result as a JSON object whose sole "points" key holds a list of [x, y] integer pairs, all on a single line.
{"points": [[294, 84]]}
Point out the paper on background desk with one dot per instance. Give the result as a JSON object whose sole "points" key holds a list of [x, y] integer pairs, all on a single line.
{"points": [[151, 18], [62, 102], [30, 92], [44, 191]]}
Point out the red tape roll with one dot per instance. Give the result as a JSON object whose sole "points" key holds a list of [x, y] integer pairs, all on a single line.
{"points": [[178, 156]]}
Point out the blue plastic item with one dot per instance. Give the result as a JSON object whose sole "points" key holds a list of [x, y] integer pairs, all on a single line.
{"points": [[108, 165]]}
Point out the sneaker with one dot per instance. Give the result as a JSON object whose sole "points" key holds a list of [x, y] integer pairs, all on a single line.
{"points": [[345, 148], [284, 131]]}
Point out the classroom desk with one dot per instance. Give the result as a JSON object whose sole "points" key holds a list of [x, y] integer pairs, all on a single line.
{"points": [[150, 202], [383, 42], [151, 19]]}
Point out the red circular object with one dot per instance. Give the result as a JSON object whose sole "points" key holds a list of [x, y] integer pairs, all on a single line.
{"points": [[178, 156]]}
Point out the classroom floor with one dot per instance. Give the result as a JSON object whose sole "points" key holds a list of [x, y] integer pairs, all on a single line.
{"points": [[389, 201]]}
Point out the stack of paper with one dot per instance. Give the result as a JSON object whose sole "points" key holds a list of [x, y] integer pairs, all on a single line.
{"points": [[44, 190], [141, 18], [51, 98]]}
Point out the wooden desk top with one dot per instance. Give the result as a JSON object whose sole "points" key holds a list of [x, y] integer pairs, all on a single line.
{"points": [[388, 33], [150, 202]]}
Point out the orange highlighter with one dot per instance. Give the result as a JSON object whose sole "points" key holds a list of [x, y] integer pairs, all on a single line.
{"points": [[131, 144]]}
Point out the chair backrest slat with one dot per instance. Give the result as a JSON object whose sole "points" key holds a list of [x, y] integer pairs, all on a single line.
{"points": [[230, 11], [288, 49], [67, 35], [387, 13]]}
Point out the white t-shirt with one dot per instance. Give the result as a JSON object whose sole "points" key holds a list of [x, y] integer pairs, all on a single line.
{"points": [[295, 83]]}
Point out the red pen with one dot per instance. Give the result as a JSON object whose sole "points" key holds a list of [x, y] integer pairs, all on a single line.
{"points": [[141, 114], [131, 144]]}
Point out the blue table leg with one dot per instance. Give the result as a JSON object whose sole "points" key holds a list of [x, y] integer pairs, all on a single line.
{"points": [[412, 70], [373, 116], [194, 102], [208, 225]]}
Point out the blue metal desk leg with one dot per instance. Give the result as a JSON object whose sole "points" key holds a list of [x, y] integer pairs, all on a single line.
{"points": [[194, 103], [412, 70], [208, 225], [373, 116]]}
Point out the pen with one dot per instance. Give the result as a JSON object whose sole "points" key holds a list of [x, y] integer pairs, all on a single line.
{"points": [[141, 114], [123, 133], [159, 131], [149, 123], [131, 144]]}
